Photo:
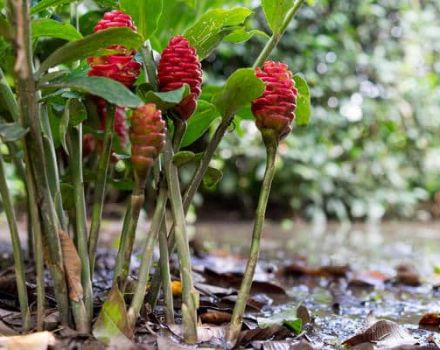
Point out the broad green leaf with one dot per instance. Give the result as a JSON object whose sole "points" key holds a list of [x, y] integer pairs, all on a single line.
{"points": [[10, 132], [112, 321], [213, 26], [241, 35], [164, 100], [303, 105], [275, 12], [240, 89], [67, 195], [212, 177], [77, 111], [199, 122], [44, 4], [145, 13], [90, 45], [45, 27], [110, 90]]}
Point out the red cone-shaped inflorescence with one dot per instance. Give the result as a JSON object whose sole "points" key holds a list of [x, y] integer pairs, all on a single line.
{"points": [[120, 127], [120, 66], [147, 136], [275, 108], [180, 65]]}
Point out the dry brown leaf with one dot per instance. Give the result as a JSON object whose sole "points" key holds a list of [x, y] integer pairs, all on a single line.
{"points": [[368, 279], [407, 274], [205, 333], [275, 332], [215, 317], [34, 341], [430, 319], [72, 266], [384, 332]]}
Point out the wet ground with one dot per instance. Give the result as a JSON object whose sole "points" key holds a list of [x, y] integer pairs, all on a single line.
{"points": [[340, 308]]}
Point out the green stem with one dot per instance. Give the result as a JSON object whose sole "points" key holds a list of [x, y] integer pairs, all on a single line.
{"points": [[76, 166], [246, 283], [8, 97], [147, 256], [276, 37], [100, 185], [164, 264], [189, 296], [38, 248], [16, 248], [149, 65], [34, 149]]}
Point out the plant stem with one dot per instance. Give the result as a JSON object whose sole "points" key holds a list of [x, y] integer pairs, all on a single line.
{"points": [[164, 264], [38, 248], [8, 97], [147, 256], [75, 149], [276, 37], [189, 296], [100, 185], [246, 283], [16, 248], [149, 65], [30, 118]]}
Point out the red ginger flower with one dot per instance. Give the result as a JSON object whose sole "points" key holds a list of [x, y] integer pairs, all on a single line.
{"points": [[120, 67], [180, 65], [275, 108], [147, 136]]}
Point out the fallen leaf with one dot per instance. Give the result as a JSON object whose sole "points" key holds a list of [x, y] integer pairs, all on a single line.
{"points": [[72, 266], [368, 279], [430, 319], [215, 317], [34, 341], [384, 333], [205, 333], [303, 313], [112, 320], [275, 332], [407, 274]]}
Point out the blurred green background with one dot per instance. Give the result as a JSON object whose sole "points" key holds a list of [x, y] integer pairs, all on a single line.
{"points": [[371, 150]]}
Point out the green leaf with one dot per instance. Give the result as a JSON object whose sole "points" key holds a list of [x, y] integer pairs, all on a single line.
{"points": [[145, 13], [77, 112], [67, 195], [241, 35], [294, 325], [286, 317], [90, 45], [64, 126], [5, 28], [45, 27], [183, 157], [303, 105], [163, 100], [44, 4], [112, 321], [275, 12], [110, 90], [213, 26], [10, 132], [212, 177], [199, 122], [240, 89]]}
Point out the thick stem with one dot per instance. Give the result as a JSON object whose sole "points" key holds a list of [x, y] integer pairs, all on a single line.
{"points": [[30, 118], [276, 37], [147, 256], [76, 166], [100, 185], [164, 264], [189, 296], [38, 248], [246, 283], [16, 248]]}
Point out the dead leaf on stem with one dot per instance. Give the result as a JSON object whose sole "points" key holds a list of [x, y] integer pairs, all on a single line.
{"points": [[72, 266]]}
